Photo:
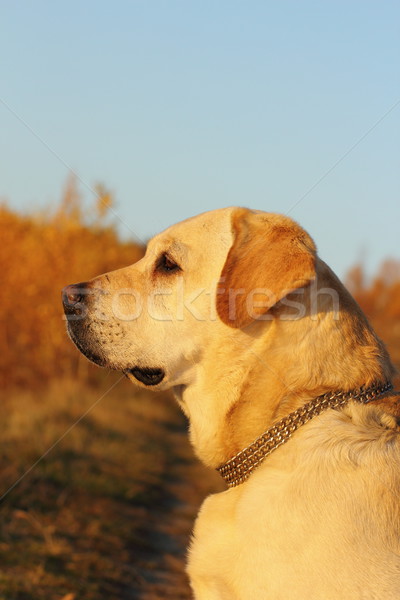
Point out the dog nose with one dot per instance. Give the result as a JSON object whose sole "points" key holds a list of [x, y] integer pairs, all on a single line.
{"points": [[72, 295]]}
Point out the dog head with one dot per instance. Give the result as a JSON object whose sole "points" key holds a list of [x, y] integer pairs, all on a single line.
{"points": [[224, 270]]}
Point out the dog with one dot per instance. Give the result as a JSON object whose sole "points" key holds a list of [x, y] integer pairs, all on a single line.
{"points": [[288, 394]]}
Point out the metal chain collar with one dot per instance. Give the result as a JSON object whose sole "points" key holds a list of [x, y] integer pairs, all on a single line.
{"points": [[237, 469]]}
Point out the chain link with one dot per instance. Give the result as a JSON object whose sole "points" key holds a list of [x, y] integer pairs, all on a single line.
{"points": [[237, 469]]}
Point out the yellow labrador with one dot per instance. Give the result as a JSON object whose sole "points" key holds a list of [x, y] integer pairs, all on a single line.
{"points": [[287, 390]]}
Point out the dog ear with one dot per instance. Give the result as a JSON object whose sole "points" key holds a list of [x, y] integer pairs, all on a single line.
{"points": [[270, 257]]}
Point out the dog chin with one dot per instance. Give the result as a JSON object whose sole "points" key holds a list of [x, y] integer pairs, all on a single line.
{"points": [[84, 347]]}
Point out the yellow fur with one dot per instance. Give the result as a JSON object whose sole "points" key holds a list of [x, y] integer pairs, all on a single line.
{"points": [[320, 518]]}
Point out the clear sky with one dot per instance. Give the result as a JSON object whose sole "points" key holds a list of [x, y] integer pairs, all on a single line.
{"points": [[181, 106]]}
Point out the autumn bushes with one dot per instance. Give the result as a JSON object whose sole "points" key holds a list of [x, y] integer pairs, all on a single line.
{"points": [[39, 255], [380, 300]]}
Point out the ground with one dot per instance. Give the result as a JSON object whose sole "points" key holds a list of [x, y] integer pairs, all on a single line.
{"points": [[107, 512]]}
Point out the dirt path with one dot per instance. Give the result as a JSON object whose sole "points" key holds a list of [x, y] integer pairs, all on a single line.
{"points": [[108, 512], [169, 526]]}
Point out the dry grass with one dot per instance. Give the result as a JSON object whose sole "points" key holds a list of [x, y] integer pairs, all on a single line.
{"points": [[107, 513]]}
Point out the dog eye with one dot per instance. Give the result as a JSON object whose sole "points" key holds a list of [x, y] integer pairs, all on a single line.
{"points": [[166, 265]]}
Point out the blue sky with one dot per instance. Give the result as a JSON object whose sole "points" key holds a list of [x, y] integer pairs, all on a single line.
{"points": [[184, 106]]}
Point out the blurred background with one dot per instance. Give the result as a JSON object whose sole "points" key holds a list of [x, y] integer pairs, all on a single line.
{"points": [[116, 121]]}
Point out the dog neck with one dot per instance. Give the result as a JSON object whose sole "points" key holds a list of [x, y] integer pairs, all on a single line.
{"points": [[239, 468], [275, 366]]}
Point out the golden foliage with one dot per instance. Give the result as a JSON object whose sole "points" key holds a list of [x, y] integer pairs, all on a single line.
{"points": [[380, 300], [39, 255]]}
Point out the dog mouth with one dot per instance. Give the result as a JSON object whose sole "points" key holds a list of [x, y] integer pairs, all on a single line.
{"points": [[146, 375]]}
